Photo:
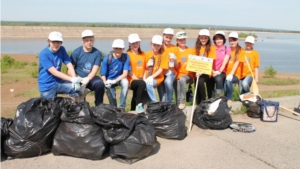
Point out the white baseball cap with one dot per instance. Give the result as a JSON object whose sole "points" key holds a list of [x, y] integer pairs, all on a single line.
{"points": [[220, 33], [233, 35], [181, 35], [87, 33], [157, 39], [133, 38], [204, 32], [55, 36], [250, 39], [118, 43], [169, 31]]}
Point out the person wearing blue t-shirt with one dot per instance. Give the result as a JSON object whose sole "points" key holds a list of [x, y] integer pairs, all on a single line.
{"points": [[86, 60], [51, 80], [114, 70]]}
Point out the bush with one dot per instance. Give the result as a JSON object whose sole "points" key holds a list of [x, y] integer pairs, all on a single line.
{"points": [[270, 71], [236, 93], [8, 62], [244, 35]]}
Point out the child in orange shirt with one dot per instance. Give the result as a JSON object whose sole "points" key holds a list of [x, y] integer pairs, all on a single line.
{"points": [[135, 76], [183, 76], [204, 48], [170, 54], [233, 68], [252, 57], [156, 65]]}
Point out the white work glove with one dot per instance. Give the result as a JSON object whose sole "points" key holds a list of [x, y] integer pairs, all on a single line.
{"points": [[112, 82], [149, 81], [216, 73], [75, 83], [85, 81], [198, 74], [107, 85], [150, 63], [229, 77], [172, 56]]}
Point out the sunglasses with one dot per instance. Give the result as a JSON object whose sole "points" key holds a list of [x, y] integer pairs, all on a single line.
{"points": [[181, 35]]}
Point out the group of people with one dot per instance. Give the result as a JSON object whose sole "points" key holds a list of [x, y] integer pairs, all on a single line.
{"points": [[163, 67]]}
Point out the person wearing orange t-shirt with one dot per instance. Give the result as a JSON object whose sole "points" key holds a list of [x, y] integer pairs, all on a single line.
{"points": [[183, 76], [204, 48], [135, 76], [155, 67], [233, 68], [252, 57], [170, 54]]}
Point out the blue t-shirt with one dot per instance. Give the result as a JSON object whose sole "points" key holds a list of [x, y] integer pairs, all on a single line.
{"points": [[115, 69], [47, 59], [84, 61]]}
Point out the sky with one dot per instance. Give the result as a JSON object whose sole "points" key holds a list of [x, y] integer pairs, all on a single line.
{"points": [[269, 14]]}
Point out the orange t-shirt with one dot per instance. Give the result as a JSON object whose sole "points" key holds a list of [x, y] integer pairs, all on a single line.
{"points": [[254, 61], [163, 64], [241, 59], [212, 52], [138, 65], [172, 49], [182, 63]]}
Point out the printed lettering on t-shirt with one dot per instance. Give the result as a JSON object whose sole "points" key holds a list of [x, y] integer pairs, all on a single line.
{"points": [[87, 67], [139, 65], [56, 65]]}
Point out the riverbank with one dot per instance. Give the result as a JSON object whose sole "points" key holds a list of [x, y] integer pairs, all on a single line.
{"points": [[34, 32]]}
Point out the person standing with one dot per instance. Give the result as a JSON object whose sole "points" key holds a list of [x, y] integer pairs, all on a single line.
{"points": [[114, 71], [86, 60], [51, 80], [233, 69], [135, 76], [157, 63], [204, 48], [184, 77], [219, 64], [252, 57]]}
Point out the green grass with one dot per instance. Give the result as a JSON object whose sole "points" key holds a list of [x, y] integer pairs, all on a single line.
{"points": [[29, 93], [278, 81], [241, 110], [279, 93]]}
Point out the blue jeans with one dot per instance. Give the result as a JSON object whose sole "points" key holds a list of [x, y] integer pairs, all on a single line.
{"points": [[63, 87], [217, 81], [111, 93], [96, 84], [245, 84], [168, 88], [151, 91], [228, 87]]}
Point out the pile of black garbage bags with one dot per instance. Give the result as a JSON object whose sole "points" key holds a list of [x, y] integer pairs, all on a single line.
{"points": [[64, 127]]}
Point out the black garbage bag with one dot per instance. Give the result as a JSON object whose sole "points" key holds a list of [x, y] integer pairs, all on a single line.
{"points": [[33, 128], [167, 119], [253, 108], [116, 125], [218, 119], [5, 123], [77, 134], [138, 145]]}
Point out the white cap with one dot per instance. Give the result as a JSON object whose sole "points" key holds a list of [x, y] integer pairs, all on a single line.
{"points": [[250, 39], [157, 39], [204, 32], [87, 33], [220, 33], [181, 35], [169, 31], [233, 35], [133, 38], [55, 36], [118, 43]]}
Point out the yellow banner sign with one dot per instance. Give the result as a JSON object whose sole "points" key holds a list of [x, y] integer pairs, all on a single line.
{"points": [[199, 64]]}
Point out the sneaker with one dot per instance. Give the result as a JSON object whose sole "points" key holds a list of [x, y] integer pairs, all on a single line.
{"points": [[139, 108]]}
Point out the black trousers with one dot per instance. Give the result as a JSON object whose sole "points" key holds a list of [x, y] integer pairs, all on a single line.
{"points": [[138, 87]]}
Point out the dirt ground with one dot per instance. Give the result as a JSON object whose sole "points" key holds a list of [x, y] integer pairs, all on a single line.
{"points": [[10, 100]]}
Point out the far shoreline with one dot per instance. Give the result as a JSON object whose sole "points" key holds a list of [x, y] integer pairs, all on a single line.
{"points": [[42, 32]]}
